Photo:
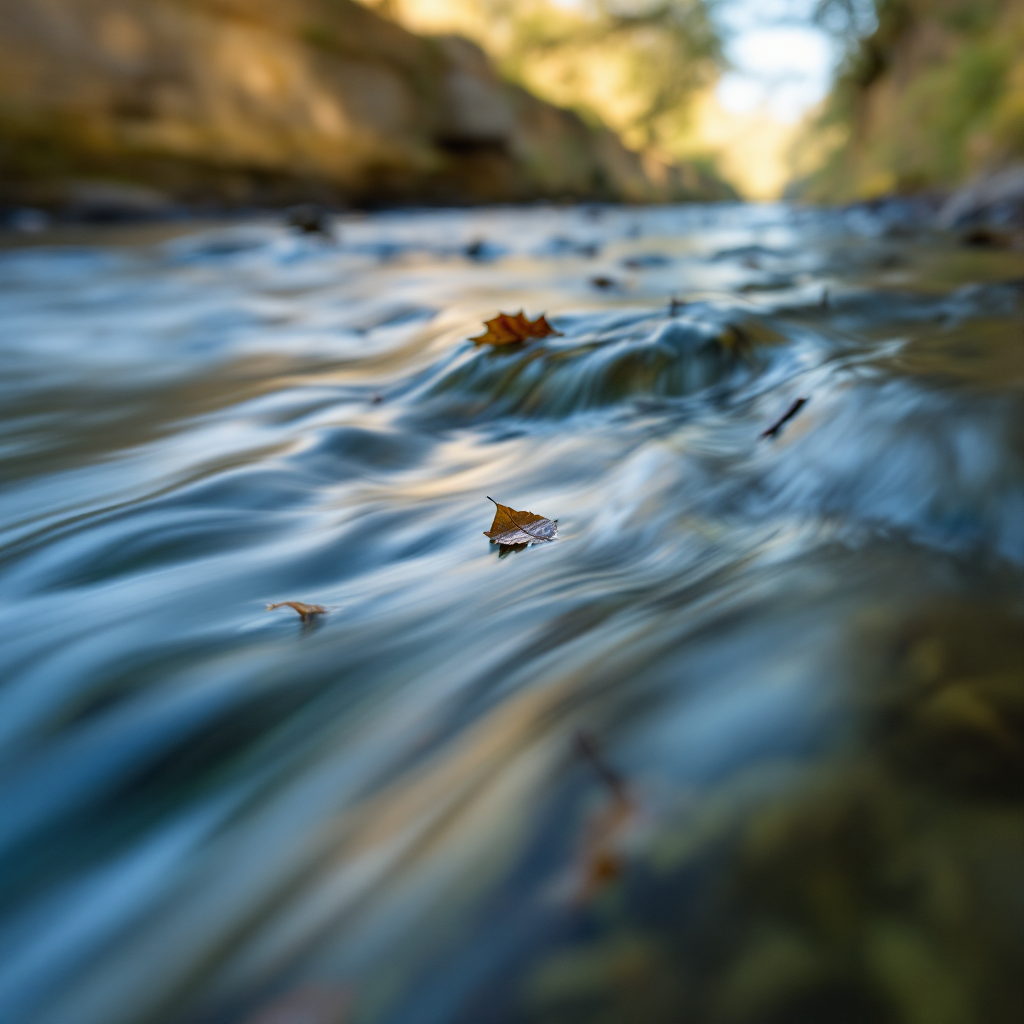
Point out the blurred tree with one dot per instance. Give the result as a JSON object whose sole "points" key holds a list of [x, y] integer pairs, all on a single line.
{"points": [[851, 20], [930, 92], [634, 65]]}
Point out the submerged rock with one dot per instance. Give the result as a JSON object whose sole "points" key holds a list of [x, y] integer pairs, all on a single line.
{"points": [[239, 103], [988, 211], [996, 198]]}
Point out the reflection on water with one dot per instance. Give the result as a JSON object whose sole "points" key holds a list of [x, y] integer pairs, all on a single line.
{"points": [[799, 653]]}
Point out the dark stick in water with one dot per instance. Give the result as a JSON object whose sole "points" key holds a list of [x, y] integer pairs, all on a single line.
{"points": [[587, 746], [789, 414]]}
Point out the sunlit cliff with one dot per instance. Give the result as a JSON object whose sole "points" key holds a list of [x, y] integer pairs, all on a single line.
{"points": [[256, 101]]}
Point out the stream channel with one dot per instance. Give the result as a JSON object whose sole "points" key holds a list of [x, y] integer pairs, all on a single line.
{"points": [[743, 745]]}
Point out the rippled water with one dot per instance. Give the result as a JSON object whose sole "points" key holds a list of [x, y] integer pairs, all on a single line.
{"points": [[795, 660]]}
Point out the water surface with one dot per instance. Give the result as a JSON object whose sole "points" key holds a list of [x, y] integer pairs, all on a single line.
{"points": [[798, 657]]}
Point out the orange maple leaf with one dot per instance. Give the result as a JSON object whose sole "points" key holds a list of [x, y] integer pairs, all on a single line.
{"points": [[511, 330]]}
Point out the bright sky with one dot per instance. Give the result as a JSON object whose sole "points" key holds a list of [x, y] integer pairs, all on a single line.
{"points": [[780, 60]]}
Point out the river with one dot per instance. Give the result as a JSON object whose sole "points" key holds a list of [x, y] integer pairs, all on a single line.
{"points": [[744, 744]]}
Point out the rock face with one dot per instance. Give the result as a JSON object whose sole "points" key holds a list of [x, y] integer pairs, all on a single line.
{"points": [[264, 101]]}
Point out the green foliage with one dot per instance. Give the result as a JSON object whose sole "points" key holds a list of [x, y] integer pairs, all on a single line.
{"points": [[634, 65], [931, 96], [672, 50]]}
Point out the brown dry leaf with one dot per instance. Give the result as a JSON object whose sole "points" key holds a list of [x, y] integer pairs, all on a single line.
{"points": [[602, 859], [512, 527], [510, 330], [305, 611]]}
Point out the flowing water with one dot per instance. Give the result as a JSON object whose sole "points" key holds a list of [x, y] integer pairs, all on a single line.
{"points": [[745, 743]]}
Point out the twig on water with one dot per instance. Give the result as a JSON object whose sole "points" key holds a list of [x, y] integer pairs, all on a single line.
{"points": [[789, 414], [589, 749]]}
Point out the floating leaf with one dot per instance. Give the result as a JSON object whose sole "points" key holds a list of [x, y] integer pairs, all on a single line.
{"points": [[305, 611], [511, 330], [511, 527]]}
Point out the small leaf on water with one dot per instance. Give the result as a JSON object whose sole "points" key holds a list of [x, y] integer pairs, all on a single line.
{"points": [[510, 330], [305, 611], [511, 527]]}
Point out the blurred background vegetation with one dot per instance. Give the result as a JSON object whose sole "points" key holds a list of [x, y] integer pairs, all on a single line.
{"points": [[237, 102], [645, 68], [634, 66], [929, 95], [926, 94]]}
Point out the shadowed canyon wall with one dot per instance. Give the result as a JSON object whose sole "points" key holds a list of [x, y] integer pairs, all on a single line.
{"points": [[257, 101]]}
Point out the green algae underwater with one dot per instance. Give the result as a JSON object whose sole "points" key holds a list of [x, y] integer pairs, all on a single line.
{"points": [[742, 744]]}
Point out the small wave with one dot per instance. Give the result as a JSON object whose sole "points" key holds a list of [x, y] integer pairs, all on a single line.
{"points": [[593, 369]]}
